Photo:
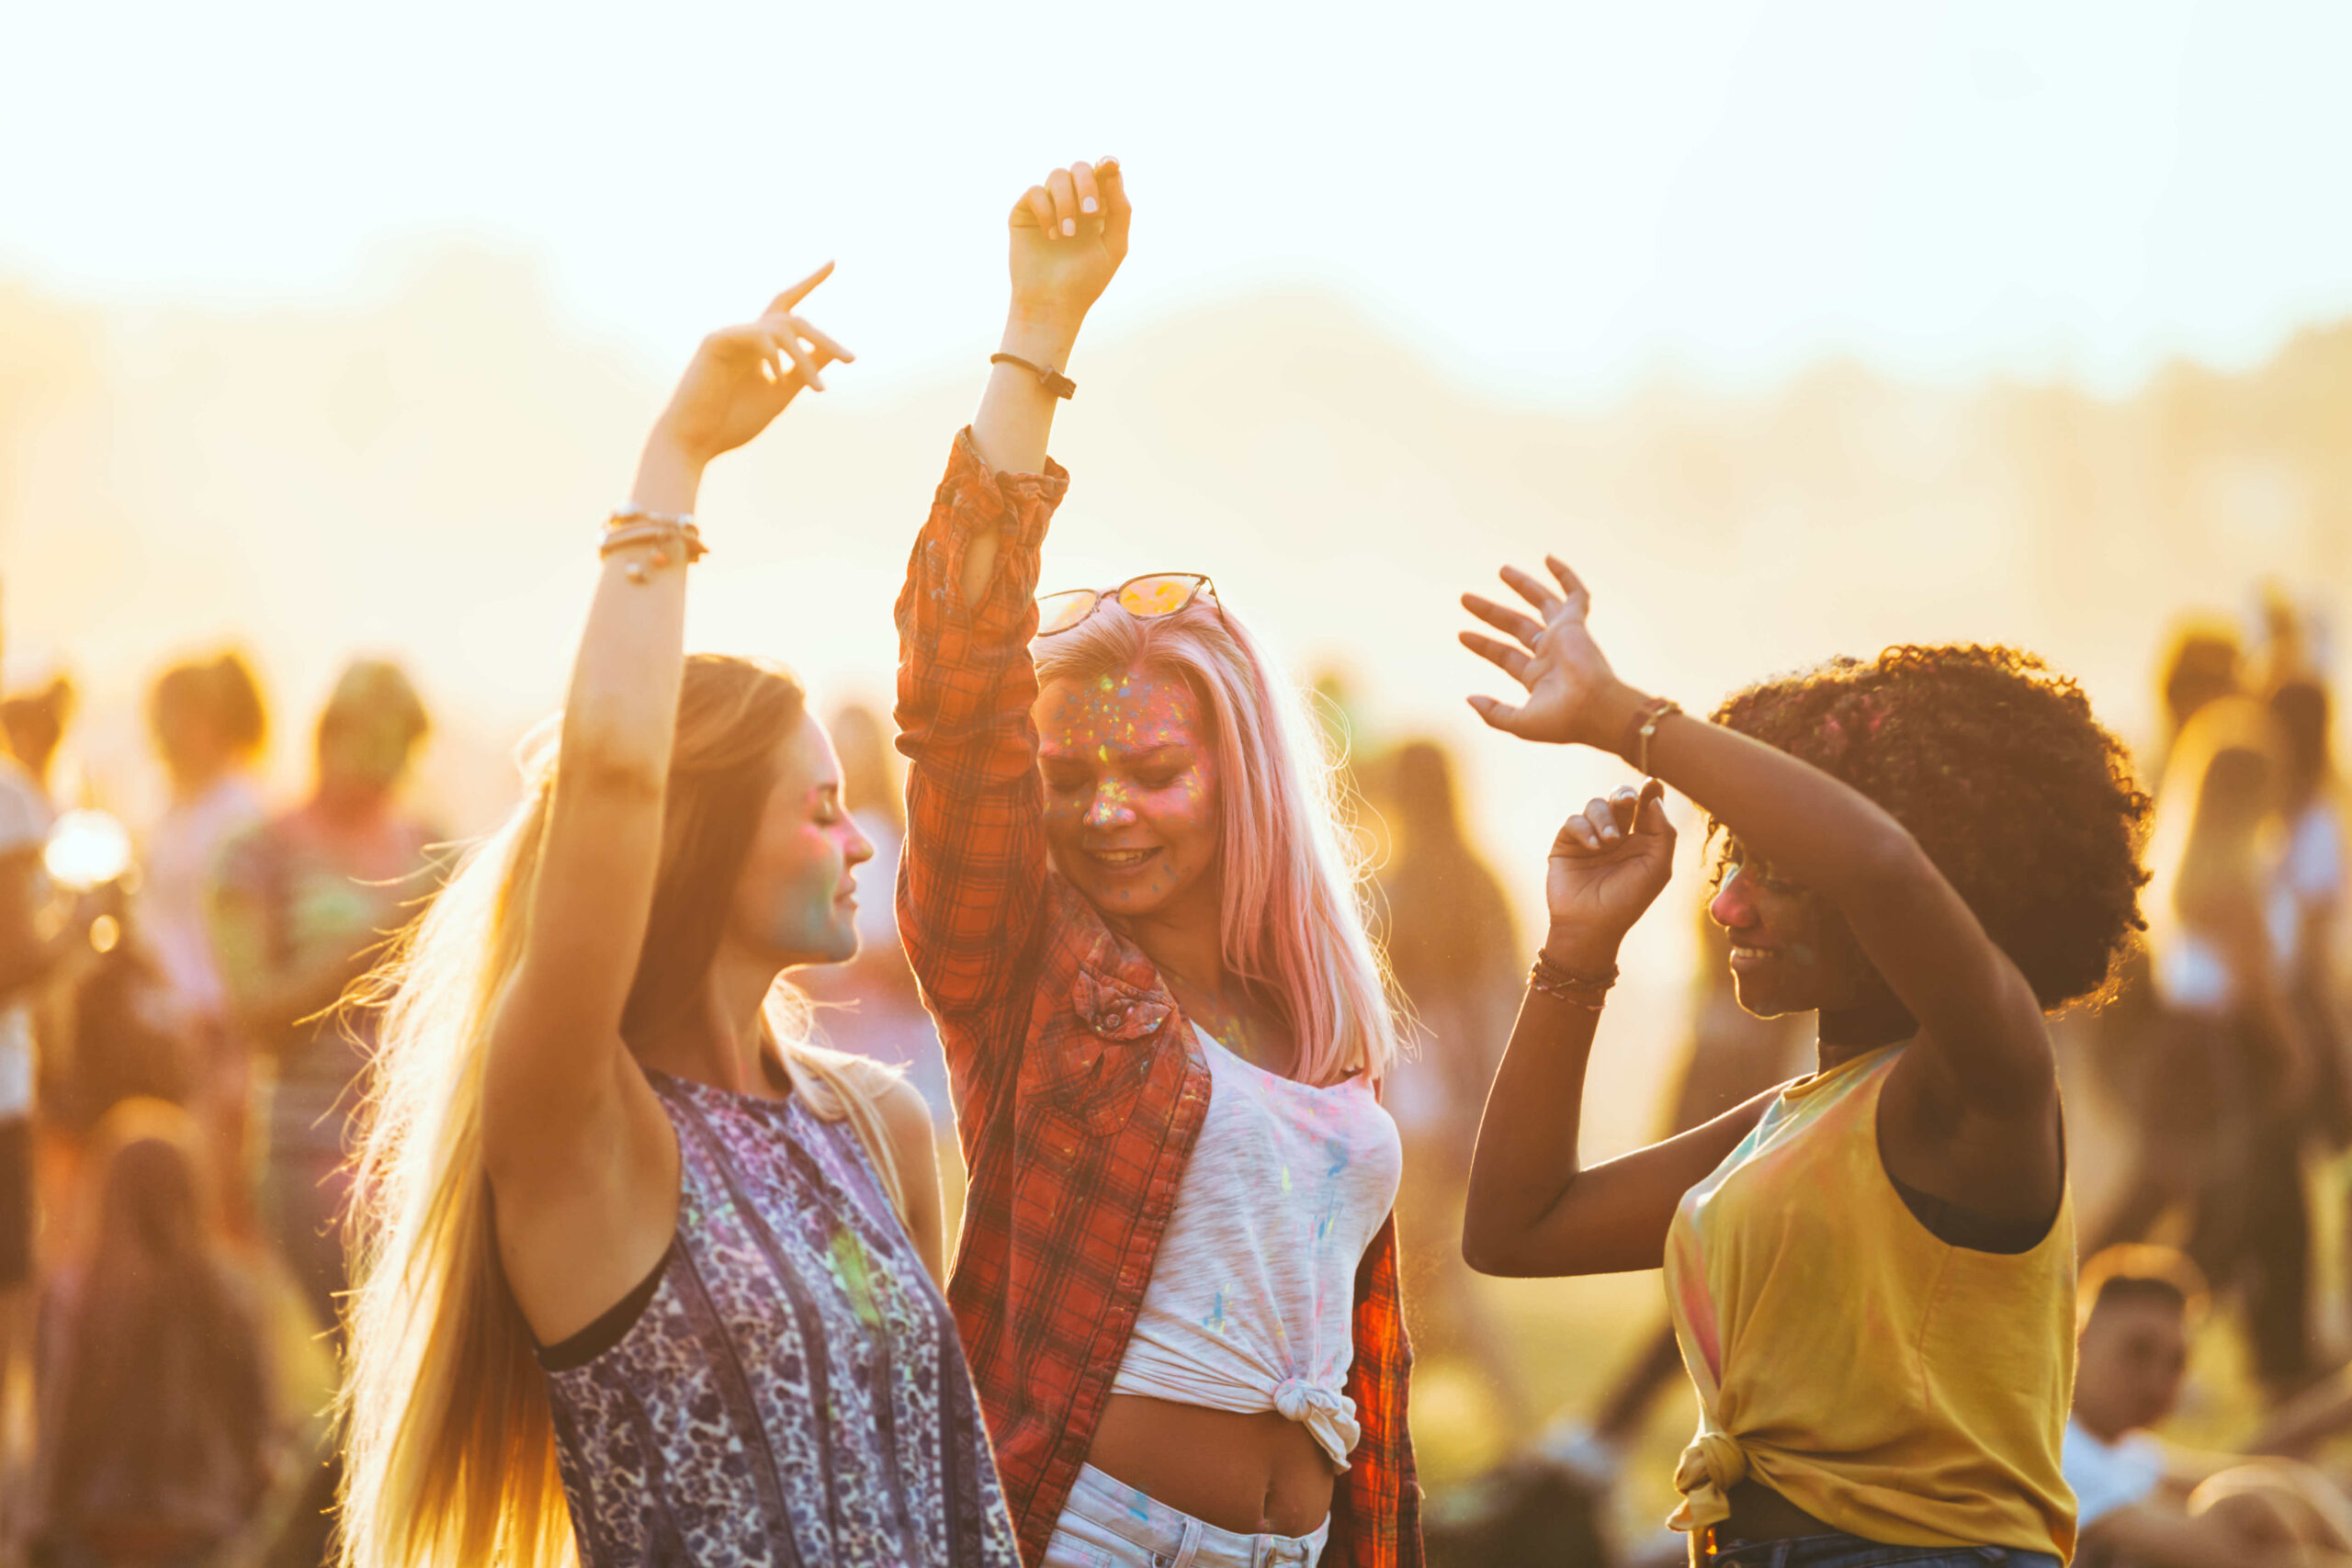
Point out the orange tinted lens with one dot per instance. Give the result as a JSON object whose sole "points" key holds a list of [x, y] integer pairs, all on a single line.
{"points": [[1146, 598], [1059, 612]]}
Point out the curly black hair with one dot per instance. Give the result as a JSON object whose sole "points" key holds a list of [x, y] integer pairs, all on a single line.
{"points": [[1994, 763]]}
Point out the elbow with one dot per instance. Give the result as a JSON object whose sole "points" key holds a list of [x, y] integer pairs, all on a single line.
{"points": [[1487, 1247], [599, 764], [1887, 860], [1480, 1253]]}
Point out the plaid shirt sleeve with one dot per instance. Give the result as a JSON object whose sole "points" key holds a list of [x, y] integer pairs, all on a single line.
{"points": [[971, 880], [1376, 1519]]}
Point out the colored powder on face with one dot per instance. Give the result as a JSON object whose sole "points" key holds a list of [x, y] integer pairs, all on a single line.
{"points": [[806, 916]]}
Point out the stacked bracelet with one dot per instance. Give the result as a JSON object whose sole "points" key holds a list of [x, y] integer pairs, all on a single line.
{"points": [[665, 531], [1589, 991]]}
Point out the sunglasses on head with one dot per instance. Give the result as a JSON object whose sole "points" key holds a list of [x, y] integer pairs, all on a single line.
{"points": [[1146, 598]]}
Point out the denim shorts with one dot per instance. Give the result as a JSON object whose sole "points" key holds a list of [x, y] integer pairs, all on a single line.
{"points": [[1839, 1549], [1109, 1524]]}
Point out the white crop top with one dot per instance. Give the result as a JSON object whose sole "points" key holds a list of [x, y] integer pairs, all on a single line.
{"points": [[1252, 1302]]}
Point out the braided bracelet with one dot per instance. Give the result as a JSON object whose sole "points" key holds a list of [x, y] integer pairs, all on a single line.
{"points": [[1589, 991], [634, 525]]}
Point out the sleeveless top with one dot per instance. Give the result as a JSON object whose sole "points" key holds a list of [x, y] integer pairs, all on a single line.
{"points": [[1251, 1299], [1893, 1385], [787, 1389]]}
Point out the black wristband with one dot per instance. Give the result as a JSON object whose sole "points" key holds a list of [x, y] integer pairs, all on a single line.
{"points": [[1053, 381]]}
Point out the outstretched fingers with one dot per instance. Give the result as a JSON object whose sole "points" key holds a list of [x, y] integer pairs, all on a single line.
{"points": [[1570, 583], [1503, 618], [1534, 589], [1510, 658]]}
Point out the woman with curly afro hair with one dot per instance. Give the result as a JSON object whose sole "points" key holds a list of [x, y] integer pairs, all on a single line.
{"points": [[1871, 1269]]}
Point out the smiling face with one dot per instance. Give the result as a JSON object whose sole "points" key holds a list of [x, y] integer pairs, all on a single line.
{"points": [[1130, 773], [1791, 952], [794, 901]]}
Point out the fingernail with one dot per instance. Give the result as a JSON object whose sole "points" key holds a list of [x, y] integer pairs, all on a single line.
{"points": [[1088, 205], [1070, 227]]}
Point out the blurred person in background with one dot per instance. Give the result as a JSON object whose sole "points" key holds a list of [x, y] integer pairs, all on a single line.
{"points": [[2220, 1093], [1127, 897], [209, 723], [2142, 1502], [1452, 945], [34, 723], [869, 1006], [33, 943], [1871, 1270], [158, 1444], [2308, 892], [2204, 661], [643, 1275], [301, 904]]}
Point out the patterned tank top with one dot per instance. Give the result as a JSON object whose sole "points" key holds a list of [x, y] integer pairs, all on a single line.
{"points": [[787, 1389]]}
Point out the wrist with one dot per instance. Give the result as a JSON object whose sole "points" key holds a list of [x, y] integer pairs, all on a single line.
{"points": [[1613, 713], [1041, 334], [1580, 950], [669, 473]]}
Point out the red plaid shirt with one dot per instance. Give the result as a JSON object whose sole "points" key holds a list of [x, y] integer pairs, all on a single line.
{"points": [[1079, 1090]]}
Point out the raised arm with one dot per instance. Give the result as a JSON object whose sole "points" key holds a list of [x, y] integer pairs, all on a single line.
{"points": [[1533, 1208], [971, 894], [569, 1124], [1985, 1076]]}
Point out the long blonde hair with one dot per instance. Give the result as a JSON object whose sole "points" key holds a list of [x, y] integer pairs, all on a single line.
{"points": [[450, 1448], [1291, 921]]}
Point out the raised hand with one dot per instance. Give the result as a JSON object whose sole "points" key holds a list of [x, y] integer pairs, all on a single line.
{"points": [[742, 376], [1068, 236], [1573, 697], [1608, 864]]}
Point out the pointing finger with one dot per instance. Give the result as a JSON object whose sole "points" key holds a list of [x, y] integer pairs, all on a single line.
{"points": [[783, 303]]}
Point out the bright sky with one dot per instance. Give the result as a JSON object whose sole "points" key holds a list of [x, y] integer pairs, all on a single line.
{"points": [[1560, 197]]}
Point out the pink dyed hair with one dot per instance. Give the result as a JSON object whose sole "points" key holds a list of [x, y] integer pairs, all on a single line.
{"points": [[1293, 921]]}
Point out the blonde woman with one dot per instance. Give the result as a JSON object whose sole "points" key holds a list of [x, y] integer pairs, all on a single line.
{"points": [[1126, 900], [626, 1243]]}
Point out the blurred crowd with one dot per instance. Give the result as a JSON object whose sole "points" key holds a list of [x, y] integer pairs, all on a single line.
{"points": [[178, 1069]]}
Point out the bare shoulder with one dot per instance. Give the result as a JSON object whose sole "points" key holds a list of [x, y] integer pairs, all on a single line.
{"points": [[908, 1118]]}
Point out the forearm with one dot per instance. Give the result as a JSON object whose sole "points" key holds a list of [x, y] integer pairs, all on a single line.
{"points": [[1015, 420], [1526, 1158], [620, 707]]}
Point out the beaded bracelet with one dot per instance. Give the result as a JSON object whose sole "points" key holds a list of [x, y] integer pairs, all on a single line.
{"points": [[1589, 991]]}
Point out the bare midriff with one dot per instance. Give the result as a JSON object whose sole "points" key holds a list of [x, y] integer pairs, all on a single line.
{"points": [[1255, 1474], [1758, 1513]]}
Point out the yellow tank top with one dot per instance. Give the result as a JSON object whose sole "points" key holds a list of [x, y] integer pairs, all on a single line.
{"points": [[1893, 1385]]}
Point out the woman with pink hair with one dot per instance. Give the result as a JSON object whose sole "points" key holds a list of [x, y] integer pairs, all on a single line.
{"points": [[1126, 898]]}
